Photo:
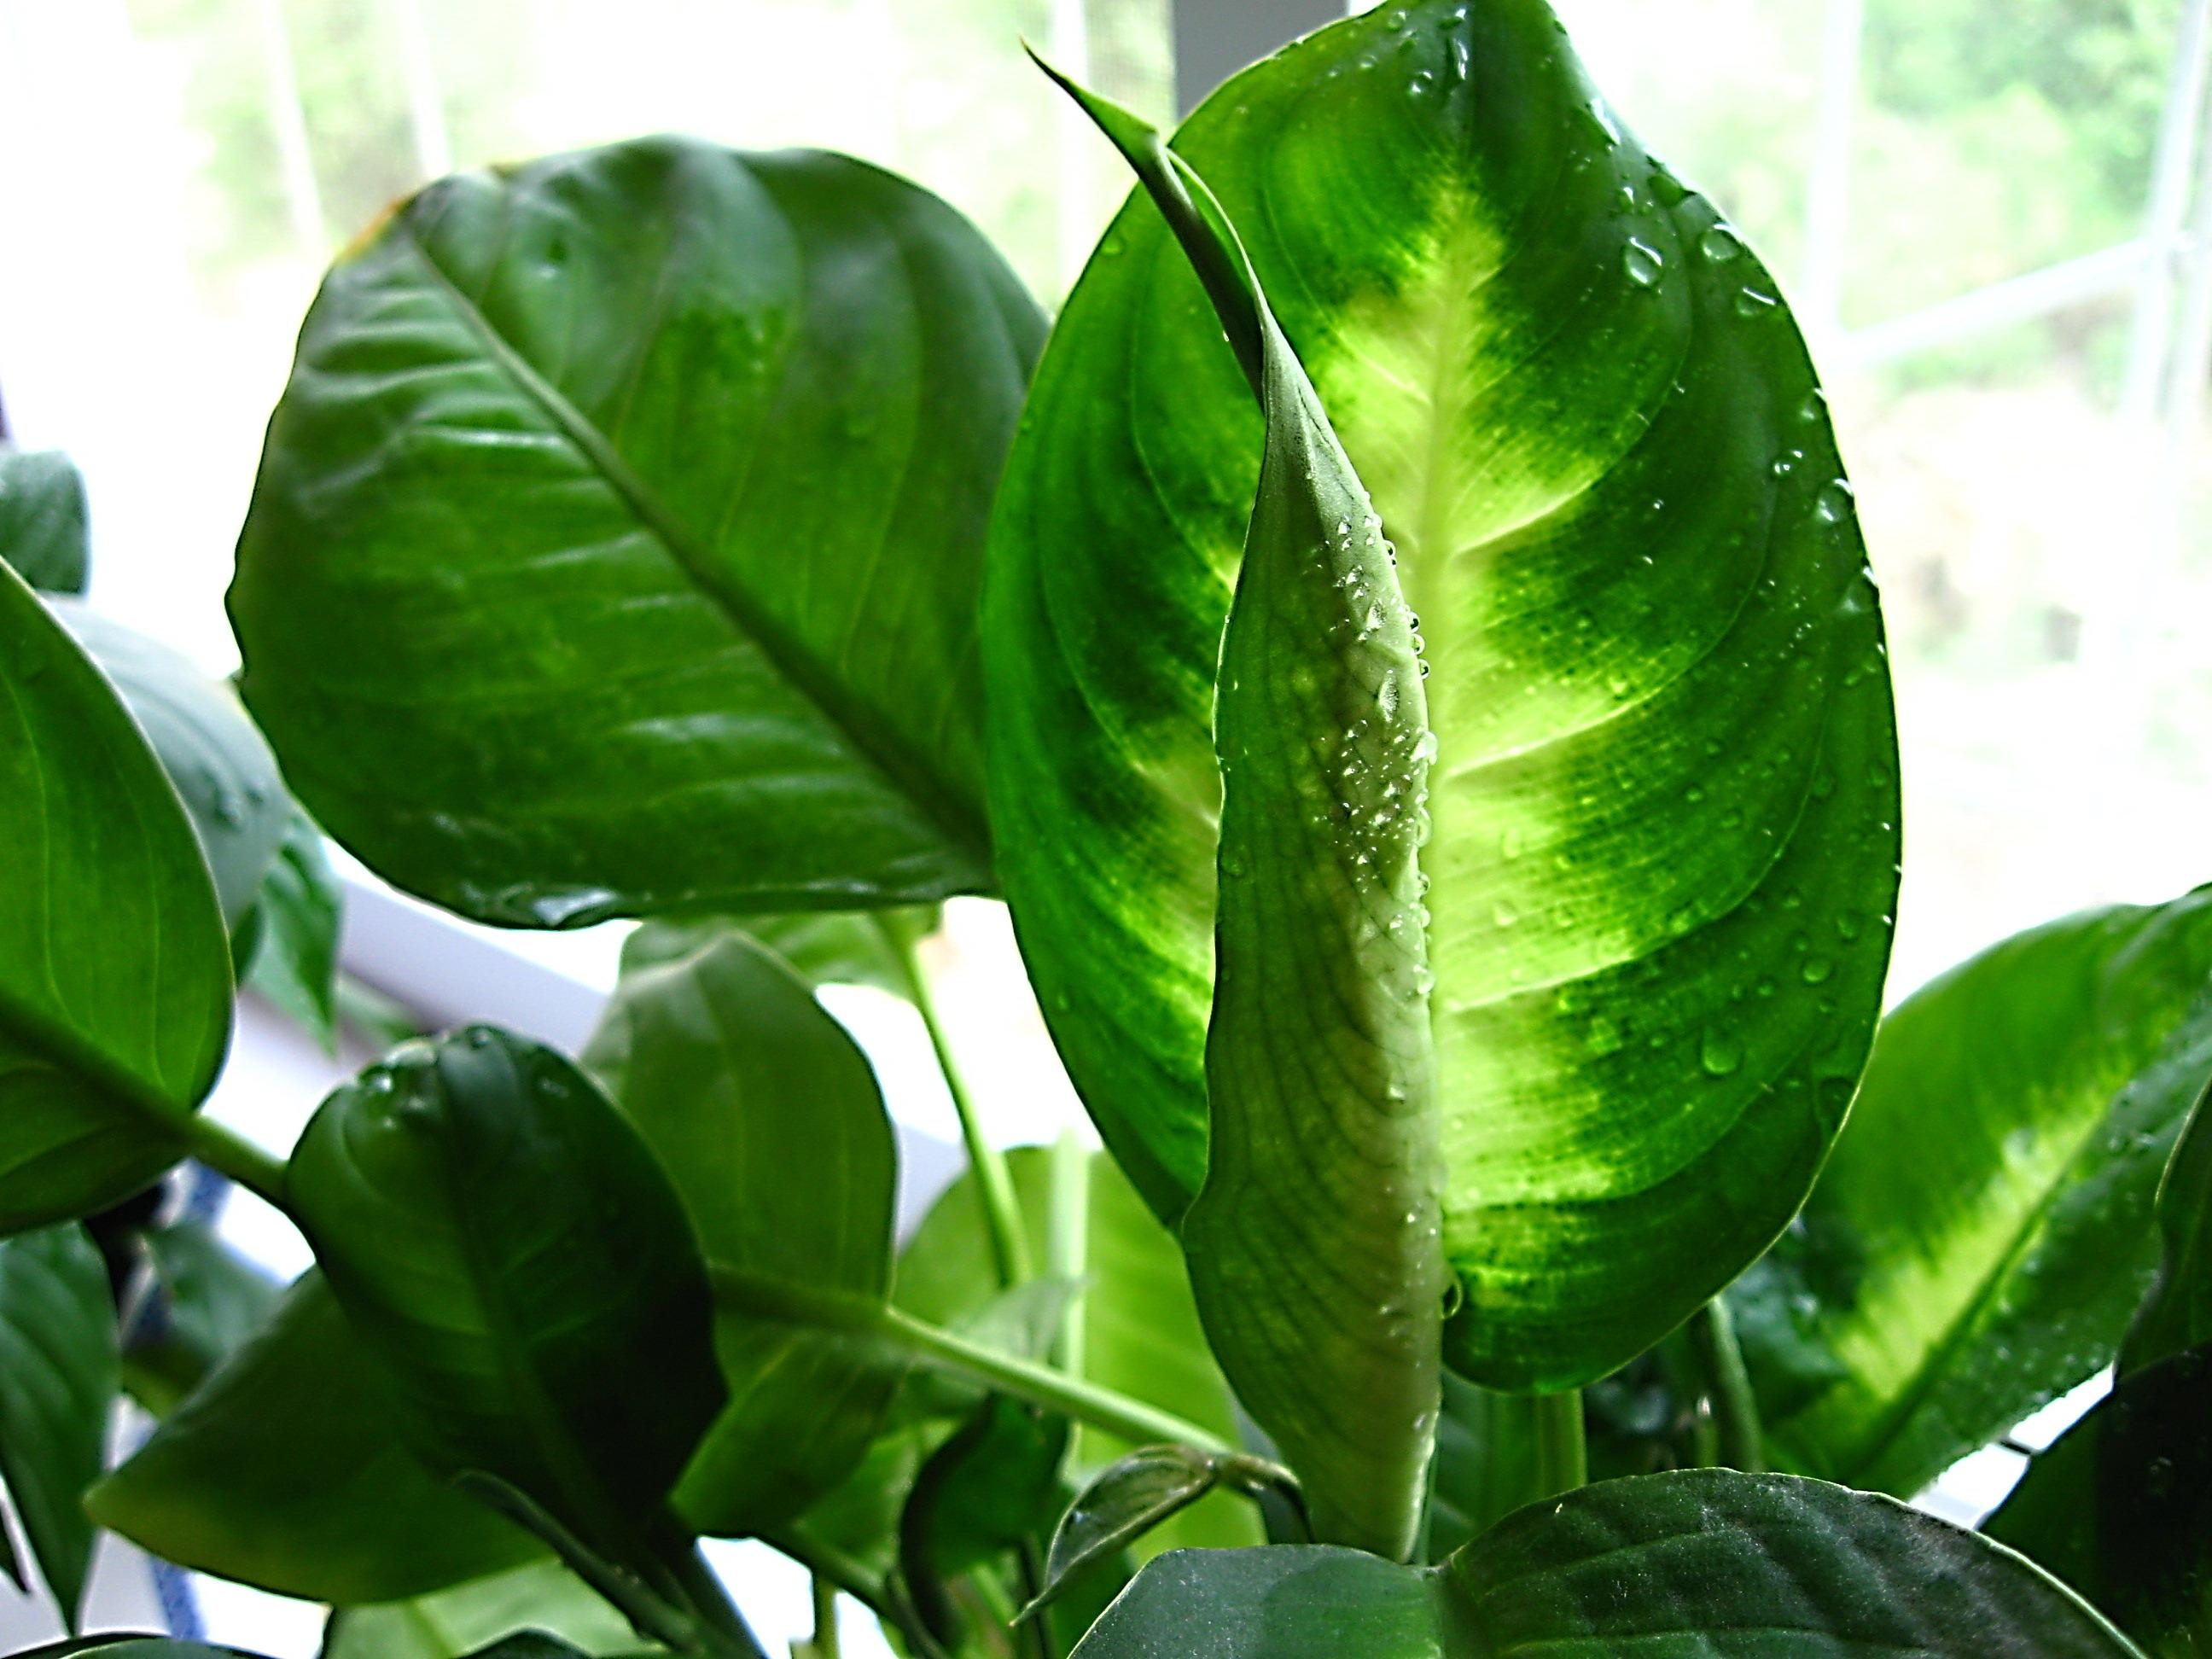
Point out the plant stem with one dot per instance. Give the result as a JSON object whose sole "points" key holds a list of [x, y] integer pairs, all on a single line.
{"points": [[1024, 1379], [994, 1182], [839, 1571], [1562, 1452], [230, 1154], [721, 1623], [1727, 1387], [825, 1617]]}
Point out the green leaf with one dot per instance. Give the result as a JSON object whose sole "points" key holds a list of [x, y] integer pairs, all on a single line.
{"points": [[42, 520], [833, 947], [297, 915], [1142, 1492], [992, 1487], [285, 1470], [617, 546], [1487, 1462], [58, 1378], [504, 1244], [115, 991], [1984, 1231], [2177, 1314], [216, 758], [542, 1597], [1697, 1564], [1663, 802], [2120, 1506], [133, 1647], [206, 1301], [767, 1117], [1319, 1044]]}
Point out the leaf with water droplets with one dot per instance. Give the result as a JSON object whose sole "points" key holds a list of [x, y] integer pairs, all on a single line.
{"points": [[1984, 1230], [1319, 1037], [1647, 723]]}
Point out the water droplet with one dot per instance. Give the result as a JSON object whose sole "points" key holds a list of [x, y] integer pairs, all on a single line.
{"points": [[1786, 462], [1751, 302], [1644, 263], [1603, 1038], [1719, 245], [1815, 406], [1720, 1053], [1816, 969], [1505, 914], [1833, 504]]}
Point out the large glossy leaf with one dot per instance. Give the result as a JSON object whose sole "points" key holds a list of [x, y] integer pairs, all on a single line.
{"points": [[616, 544], [287, 1469], [767, 1117], [115, 987], [505, 1246], [1664, 798], [1984, 1232], [221, 768], [543, 1595], [43, 535], [60, 1375], [1694, 1565]]}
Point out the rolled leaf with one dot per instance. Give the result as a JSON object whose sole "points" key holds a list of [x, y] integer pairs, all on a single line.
{"points": [[768, 1119], [506, 1248], [1984, 1232], [43, 534], [115, 991], [287, 1469], [616, 544], [1699, 1563], [60, 1375], [1663, 801]]}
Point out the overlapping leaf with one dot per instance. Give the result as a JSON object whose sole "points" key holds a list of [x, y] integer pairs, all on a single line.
{"points": [[43, 534], [616, 544]]}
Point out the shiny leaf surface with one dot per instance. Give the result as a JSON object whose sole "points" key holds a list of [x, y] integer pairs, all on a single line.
{"points": [[505, 1246], [115, 991], [1984, 1232], [1663, 801], [767, 1117], [616, 544]]}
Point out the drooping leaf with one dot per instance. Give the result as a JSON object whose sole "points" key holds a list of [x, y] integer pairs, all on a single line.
{"points": [[295, 921], [2120, 1506], [43, 535], [214, 757], [58, 1378], [616, 544], [1324, 1132], [508, 1249], [833, 947], [1696, 1564], [542, 1597], [115, 991], [286, 1469], [1663, 802], [2177, 1314], [205, 1302], [768, 1119], [1983, 1233]]}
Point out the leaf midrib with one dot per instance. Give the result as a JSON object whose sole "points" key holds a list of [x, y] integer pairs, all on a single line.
{"points": [[908, 778]]}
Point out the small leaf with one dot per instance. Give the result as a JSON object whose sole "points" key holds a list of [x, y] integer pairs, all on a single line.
{"points": [[43, 534], [1982, 1232], [205, 1302], [60, 1375], [285, 1470], [994, 1486], [216, 758], [830, 947], [1121, 1505], [297, 915], [767, 1117], [115, 991], [542, 1596], [505, 1245], [616, 544]]}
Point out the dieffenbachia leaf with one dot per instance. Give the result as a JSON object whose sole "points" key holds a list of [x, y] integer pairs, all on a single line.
{"points": [[115, 990], [60, 1375], [542, 1596], [216, 760], [1698, 1564], [504, 1244], [293, 956], [287, 1469], [617, 545], [1325, 1130], [768, 1119], [1984, 1232], [1663, 803], [43, 535]]}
